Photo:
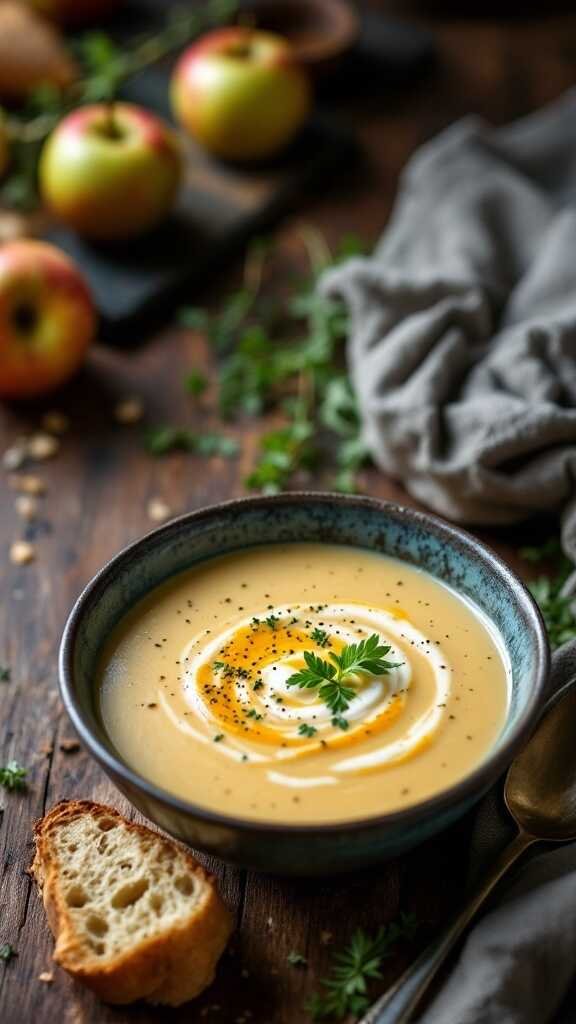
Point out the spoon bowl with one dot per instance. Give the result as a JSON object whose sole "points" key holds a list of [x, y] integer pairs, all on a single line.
{"points": [[540, 790]]}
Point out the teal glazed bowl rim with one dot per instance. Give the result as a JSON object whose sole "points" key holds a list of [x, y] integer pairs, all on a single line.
{"points": [[399, 829]]}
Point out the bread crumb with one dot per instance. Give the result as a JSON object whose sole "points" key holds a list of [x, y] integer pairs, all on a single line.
{"points": [[129, 410], [158, 510], [55, 422], [42, 446], [46, 976], [26, 506], [326, 938], [22, 552], [27, 484], [14, 457], [69, 746]]}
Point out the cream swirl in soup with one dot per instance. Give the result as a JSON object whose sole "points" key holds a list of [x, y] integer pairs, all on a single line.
{"points": [[239, 685], [304, 682]]}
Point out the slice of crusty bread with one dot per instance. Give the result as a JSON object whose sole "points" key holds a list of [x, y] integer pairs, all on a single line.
{"points": [[133, 914]]}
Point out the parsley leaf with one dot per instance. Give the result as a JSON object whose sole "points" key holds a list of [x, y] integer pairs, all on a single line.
{"points": [[320, 637], [13, 776], [5, 674], [367, 656], [307, 730]]}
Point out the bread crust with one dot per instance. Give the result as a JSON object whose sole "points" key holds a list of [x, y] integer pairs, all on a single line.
{"points": [[170, 968]]}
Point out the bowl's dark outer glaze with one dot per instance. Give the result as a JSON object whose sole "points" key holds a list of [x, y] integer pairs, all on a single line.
{"points": [[425, 541]]}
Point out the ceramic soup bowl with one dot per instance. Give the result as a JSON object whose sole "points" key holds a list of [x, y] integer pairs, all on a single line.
{"points": [[443, 550]]}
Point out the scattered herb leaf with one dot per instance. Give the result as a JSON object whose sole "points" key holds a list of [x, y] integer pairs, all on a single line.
{"points": [[548, 591], [13, 776], [320, 637], [345, 990], [5, 674], [296, 959], [307, 730], [7, 952]]}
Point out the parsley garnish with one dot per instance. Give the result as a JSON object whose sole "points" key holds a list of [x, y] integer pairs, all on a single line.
{"points": [[320, 637], [271, 621], [4, 674], [254, 714], [218, 737], [555, 605], [345, 990], [7, 952], [367, 656], [307, 730], [13, 776], [339, 722]]}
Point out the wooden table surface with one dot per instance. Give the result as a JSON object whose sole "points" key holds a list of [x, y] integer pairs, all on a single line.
{"points": [[98, 488]]}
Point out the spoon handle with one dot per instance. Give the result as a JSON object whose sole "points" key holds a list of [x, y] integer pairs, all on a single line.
{"points": [[398, 1004]]}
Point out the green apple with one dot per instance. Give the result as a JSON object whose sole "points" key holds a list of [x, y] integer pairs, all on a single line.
{"points": [[110, 171], [240, 93], [47, 318]]}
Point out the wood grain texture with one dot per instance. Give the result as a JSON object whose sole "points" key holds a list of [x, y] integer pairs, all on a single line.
{"points": [[98, 487]]}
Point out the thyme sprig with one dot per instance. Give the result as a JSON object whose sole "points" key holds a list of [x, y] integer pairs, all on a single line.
{"points": [[284, 357], [345, 990]]}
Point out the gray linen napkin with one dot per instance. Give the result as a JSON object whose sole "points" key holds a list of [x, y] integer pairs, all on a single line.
{"points": [[462, 351], [462, 348]]}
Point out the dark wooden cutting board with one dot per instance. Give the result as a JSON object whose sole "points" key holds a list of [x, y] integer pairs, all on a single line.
{"points": [[220, 207]]}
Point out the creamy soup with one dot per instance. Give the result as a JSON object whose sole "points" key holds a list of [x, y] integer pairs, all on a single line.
{"points": [[304, 683]]}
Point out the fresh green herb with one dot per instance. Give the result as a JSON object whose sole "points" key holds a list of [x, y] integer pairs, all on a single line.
{"points": [[272, 621], [296, 959], [218, 737], [13, 776], [164, 439], [230, 671], [5, 674], [254, 714], [286, 357], [258, 685], [196, 383], [7, 952], [320, 637], [345, 991], [254, 622], [367, 657], [555, 605], [104, 67], [340, 723], [307, 730]]}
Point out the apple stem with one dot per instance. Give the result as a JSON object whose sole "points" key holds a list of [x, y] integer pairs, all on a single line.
{"points": [[113, 129]]}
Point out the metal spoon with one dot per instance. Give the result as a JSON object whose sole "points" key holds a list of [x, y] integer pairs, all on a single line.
{"points": [[540, 793]]}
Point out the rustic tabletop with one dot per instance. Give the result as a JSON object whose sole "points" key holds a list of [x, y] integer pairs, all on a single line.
{"points": [[98, 488]]}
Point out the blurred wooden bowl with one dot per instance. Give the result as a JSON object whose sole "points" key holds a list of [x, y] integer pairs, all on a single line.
{"points": [[319, 31]]}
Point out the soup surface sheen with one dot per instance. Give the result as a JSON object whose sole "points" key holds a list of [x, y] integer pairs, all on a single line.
{"points": [[195, 694]]}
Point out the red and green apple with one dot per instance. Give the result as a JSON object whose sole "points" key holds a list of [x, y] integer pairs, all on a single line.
{"points": [[47, 318], [110, 171], [240, 93]]}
